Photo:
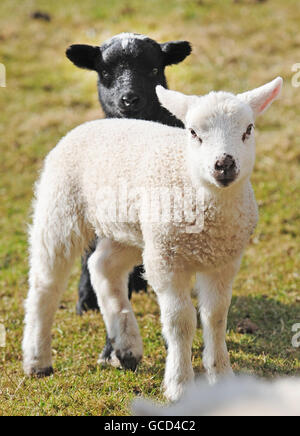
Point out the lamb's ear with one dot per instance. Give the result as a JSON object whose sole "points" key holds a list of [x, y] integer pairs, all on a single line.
{"points": [[261, 98], [175, 102], [84, 56], [175, 51]]}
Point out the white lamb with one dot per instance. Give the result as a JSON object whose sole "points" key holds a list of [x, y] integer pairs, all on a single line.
{"points": [[205, 169]]}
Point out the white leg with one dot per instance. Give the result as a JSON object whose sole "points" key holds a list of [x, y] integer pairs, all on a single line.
{"points": [[109, 267], [215, 293], [178, 317], [48, 279]]}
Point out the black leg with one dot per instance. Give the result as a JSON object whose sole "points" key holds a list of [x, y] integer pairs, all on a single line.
{"points": [[87, 297], [107, 350], [136, 282]]}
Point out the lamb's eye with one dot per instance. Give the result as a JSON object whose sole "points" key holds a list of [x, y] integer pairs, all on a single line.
{"points": [[248, 132], [194, 135], [154, 72]]}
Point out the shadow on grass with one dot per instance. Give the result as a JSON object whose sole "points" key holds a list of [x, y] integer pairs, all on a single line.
{"points": [[269, 350]]}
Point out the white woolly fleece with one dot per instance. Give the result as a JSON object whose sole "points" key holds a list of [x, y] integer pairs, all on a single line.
{"points": [[97, 155]]}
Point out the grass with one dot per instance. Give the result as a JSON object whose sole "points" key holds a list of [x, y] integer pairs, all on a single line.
{"points": [[237, 45]]}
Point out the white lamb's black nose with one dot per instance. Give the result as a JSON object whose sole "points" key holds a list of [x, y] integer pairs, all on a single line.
{"points": [[225, 171], [225, 164], [130, 100]]}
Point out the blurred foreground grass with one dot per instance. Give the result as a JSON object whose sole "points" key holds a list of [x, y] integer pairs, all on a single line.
{"points": [[237, 46]]}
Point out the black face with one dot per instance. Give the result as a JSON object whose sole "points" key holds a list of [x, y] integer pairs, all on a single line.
{"points": [[129, 68]]}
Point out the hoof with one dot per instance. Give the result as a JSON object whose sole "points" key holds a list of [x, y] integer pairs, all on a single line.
{"points": [[128, 360], [110, 360], [42, 372], [108, 356], [78, 309]]}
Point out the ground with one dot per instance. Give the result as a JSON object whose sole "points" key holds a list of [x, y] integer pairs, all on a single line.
{"points": [[238, 45]]}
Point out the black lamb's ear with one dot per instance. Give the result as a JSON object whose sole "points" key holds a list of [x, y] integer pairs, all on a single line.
{"points": [[175, 51], [84, 56]]}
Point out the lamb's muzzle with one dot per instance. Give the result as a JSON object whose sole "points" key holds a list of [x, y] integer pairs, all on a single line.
{"points": [[225, 171], [131, 101]]}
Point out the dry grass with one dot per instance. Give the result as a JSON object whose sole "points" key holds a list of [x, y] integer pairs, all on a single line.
{"points": [[237, 45]]}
